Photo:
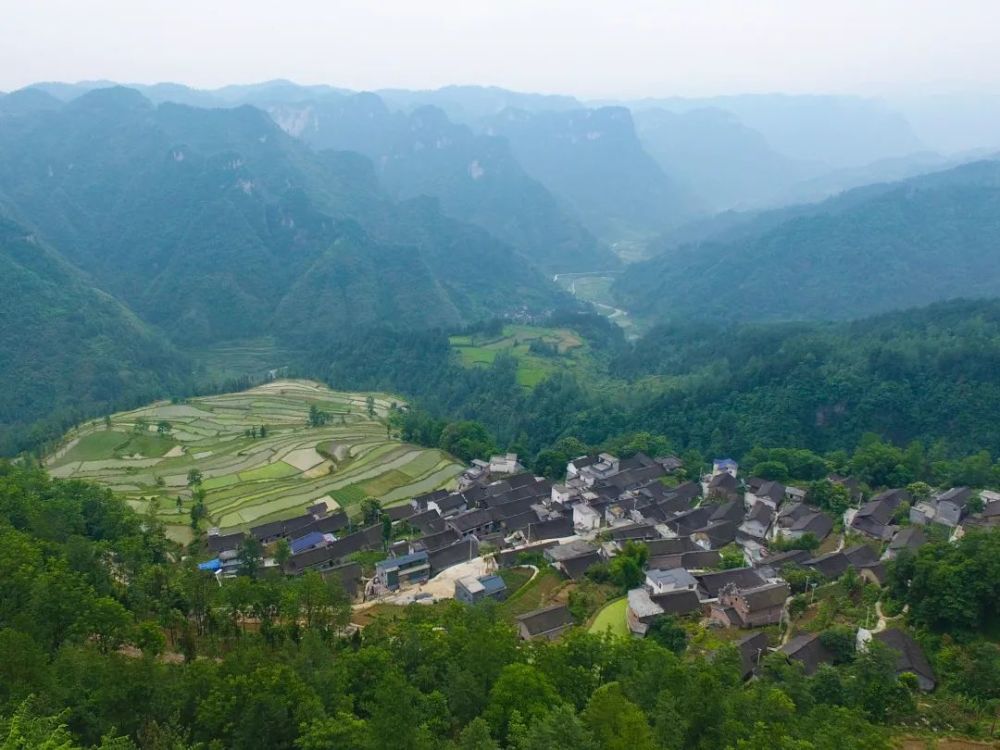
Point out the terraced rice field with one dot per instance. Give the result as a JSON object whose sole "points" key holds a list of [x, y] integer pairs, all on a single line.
{"points": [[478, 350], [251, 480]]}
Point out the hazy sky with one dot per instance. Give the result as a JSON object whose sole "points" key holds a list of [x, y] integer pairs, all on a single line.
{"points": [[587, 48]]}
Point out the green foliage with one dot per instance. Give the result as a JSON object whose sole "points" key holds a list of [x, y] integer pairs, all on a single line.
{"points": [[667, 631], [466, 441]]}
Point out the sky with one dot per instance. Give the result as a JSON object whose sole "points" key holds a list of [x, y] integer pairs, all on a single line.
{"points": [[619, 49]]}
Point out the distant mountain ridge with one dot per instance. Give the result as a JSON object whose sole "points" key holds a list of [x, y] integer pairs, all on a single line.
{"points": [[867, 251]]}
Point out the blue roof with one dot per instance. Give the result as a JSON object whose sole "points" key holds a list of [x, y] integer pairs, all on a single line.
{"points": [[306, 542], [398, 562], [725, 462], [215, 564], [492, 584]]}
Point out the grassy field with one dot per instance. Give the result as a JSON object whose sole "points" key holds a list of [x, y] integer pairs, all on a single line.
{"points": [[612, 617], [563, 349], [251, 480]]}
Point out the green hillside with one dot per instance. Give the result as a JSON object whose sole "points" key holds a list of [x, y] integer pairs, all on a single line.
{"points": [[67, 350], [868, 251]]}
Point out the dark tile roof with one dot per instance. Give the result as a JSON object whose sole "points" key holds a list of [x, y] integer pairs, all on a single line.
{"points": [[698, 559], [819, 524], [331, 524], [432, 542], [575, 567], [766, 596], [719, 533], [690, 521], [422, 500], [520, 522], [554, 528], [223, 542], [521, 480], [470, 520], [744, 578], [958, 496], [546, 620], [399, 512], [731, 510], [910, 657], [677, 602], [776, 561], [445, 557], [427, 522], [911, 537], [513, 508], [636, 531], [283, 527], [808, 650], [349, 575], [753, 649], [670, 546]]}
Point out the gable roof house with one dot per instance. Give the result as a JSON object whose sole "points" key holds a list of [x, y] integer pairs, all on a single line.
{"points": [[547, 622], [645, 607], [874, 518], [715, 535], [952, 506], [398, 571], [664, 581], [911, 538], [479, 521], [723, 485], [815, 522], [698, 559], [771, 494], [909, 657], [710, 585], [749, 608], [752, 650], [725, 465], [808, 650], [833, 564], [757, 522], [573, 558]]}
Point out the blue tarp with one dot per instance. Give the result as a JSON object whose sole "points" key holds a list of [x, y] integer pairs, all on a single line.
{"points": [[213, 565]]}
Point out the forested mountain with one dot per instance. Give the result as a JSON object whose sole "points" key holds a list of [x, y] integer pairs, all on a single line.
{"points": [[870, 250], [474, 176], [204, 221], [68, 351], [592, 159]]}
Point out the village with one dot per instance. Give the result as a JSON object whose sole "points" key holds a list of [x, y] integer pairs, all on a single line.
{"points": [[735, 555]]}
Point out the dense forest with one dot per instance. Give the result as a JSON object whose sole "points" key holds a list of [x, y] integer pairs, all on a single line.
{"points": [[108, 639], [922, 375]]}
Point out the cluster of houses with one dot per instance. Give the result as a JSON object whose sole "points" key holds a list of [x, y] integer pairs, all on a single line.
{"points": [[606, 502]]}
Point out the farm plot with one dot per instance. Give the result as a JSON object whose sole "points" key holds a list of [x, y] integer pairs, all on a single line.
{"points": [[539, 351], [256, 454]]}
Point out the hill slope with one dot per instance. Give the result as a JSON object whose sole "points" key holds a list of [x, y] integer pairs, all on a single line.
{"points": [[475, 177], [204, 221], [68, 351], [867, 251]]}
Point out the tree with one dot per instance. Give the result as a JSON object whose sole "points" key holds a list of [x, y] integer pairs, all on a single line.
{"points": [[466, 441], [194, 477], [317, 417], [476, 736], [250, 554], [163, 427], [732, 557], [616, 722], [523, 689], [263, 431], [386, 532], [370, 406], [667, 631], [282, 551], [140, 425], [561, 729], [109, 623], [829, 496], [772, 470], [371, 510]]}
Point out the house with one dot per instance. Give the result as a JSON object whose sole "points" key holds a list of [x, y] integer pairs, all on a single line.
{"points": [[874, 518], [951, 506], [724, 486], [757, 522], [818, 524], [586, 518], [795, 494], [675, 546], [752, 649], [573, 558], [548, 623], [772, 565], [699, 559], [574, 467], [505, 464], [562, 494], [665, 581], [432, 542], [771, 494], [508, 558], [716, 535], [605, 467], [217, 542], [634, 532], [399, 571], [444, 557], [310, 541], [551, 528], [750, 608], [710, 585], [472, 589], [471, 522], [833, 564], [852, 485], [348, 575], [909, 656], [670, 464], [725, 465], [271, 532], [808, 650], [644, 607], [911, 538], [449, 505]]}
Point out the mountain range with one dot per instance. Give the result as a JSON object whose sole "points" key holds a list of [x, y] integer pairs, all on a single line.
{"points": [[869, 250]]}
